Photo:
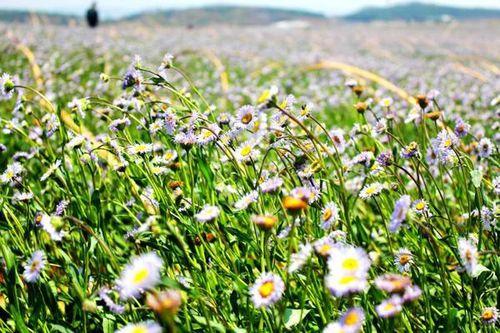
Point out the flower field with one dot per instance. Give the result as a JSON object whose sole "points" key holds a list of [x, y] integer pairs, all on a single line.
{"points": [[336, 178]]}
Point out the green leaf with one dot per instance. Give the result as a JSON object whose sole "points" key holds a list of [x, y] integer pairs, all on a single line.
{"points": [[213, 324], [476, 175], [108, 325], [480, 269], [59, 328], [294, 316]]}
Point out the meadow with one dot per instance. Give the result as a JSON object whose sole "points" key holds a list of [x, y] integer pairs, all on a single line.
{"points": [[335, 178]]}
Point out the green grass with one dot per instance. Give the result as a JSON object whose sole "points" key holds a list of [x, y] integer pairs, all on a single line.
{"points": [[221, 259]]}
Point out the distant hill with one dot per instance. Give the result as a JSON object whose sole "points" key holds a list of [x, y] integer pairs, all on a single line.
{"points": [[27, 16], [421, 12], [240, 15], [235, 15]]}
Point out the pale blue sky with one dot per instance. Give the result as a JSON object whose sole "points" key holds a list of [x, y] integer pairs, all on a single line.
{"points": [[116, 8]]}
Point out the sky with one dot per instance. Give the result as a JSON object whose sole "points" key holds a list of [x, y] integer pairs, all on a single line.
{"points": [[117, 8]]}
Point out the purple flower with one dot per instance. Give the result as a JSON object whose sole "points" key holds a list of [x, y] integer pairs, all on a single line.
{"points": [[410, 150], [116, 308], [411, 293], [186, 139], [385, 158], [132, 79], [119, 124], [271, 184], [390, 307], [487, 218], [61, 207], [485, 147], [363, 158], [400, 212], [461, 128]]}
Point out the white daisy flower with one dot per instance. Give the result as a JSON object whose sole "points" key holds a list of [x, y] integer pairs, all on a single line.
{"points": [[156, 126], [485, 147], [403, 260], [7, 86], [329, 215], [348, 260], [386, 102], [34, 267], [334, 327], [271, 185], [489, 315], [208, 134], [246, 115], [21, 196], [141, 274], [50, 170], [76, 141], [246, 151], [390, 307], [140, 149], [143, 327], [468, 255], [299, 259], [11, 172], [420, 206], [371, 190], [246, 200], [208, 213], [267, 290], [352, 320], [323, 246], [52, 226], [341, 285]]}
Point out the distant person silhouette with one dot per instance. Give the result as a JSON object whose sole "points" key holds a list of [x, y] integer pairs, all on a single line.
{"points": [[92, 16]]}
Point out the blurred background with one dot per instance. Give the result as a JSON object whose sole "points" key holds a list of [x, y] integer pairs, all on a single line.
{"points": [[240, 47], [247, 12]]}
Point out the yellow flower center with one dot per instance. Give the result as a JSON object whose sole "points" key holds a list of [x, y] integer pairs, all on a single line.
{"points": [[327, 214], [293, 203], [324, 249], [420, 206], [351, 318], [266, 289], [247, 118], [256, 126], [140, 275], [487, 315], [206, 134], [370, 190], [350, 264], [141, 148], [468, 255], [447, 143], [347, 279], [245, 151], [404, 259], [268, 221], [388, 306], [34, 264], [139, 329]]}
